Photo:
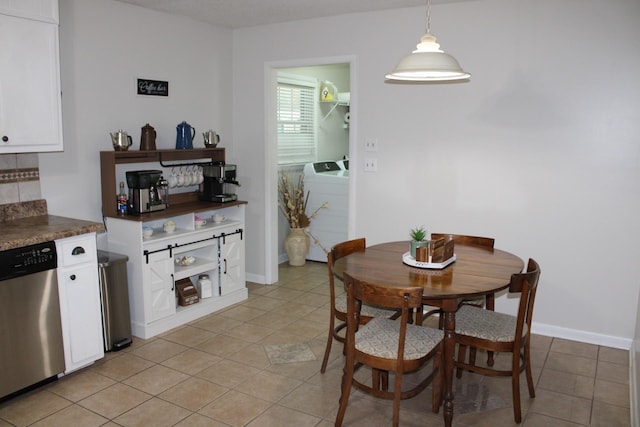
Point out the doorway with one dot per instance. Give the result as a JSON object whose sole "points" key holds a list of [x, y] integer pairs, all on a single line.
{"points": [[335, 142]]}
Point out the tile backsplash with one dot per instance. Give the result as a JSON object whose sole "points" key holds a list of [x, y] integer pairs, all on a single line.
{"points": [[19, 178]]}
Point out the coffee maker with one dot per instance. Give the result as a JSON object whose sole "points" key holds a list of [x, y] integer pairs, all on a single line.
{"points": [[148, 191], [219, 183]]}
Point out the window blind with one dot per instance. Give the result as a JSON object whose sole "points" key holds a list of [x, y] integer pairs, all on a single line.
{"points": [[296, 119]]}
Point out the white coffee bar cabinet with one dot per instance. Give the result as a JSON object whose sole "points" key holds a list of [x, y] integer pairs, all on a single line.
{"points": [[159, 262]]}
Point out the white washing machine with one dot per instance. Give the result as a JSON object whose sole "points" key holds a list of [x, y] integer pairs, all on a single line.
{"points": [[327, 182]]}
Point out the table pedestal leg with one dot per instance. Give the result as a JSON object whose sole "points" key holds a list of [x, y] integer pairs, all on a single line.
{"points": [[449, 354]]}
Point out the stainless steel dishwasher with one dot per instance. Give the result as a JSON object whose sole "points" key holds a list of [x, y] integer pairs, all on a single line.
{"points": [[31, 348]]}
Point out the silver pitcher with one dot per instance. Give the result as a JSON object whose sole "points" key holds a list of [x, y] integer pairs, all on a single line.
{"points": [[121, 141], [211, 138]]}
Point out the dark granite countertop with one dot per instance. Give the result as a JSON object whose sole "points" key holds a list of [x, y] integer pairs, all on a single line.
{"points": [[15, 233]]}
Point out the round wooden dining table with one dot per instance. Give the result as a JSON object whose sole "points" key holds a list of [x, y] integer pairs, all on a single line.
{"points": [[477, 271]]}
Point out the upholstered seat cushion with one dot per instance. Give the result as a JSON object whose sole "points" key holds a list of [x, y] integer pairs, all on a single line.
{"points": [[486, 324], [379, 338], [366, 310]]}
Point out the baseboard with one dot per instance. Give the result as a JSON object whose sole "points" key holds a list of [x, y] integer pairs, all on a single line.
{"points": [[582, 336], [633, 385], [256, 278]]}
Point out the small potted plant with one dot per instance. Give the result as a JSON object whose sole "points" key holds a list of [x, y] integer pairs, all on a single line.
{"points": [[418, 238]]}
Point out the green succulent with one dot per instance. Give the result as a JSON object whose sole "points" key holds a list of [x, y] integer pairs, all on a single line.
{"points": [[418, 234]]}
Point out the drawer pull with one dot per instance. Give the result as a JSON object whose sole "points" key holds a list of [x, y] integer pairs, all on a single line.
{"points": [[73, 277], [78, 250]]}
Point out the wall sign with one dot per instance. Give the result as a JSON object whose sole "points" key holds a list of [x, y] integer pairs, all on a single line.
{"points": [[153, 87]]}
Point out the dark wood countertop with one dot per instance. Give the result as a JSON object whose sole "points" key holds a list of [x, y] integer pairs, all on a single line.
{"points": [[193, 206], [21, 232]]}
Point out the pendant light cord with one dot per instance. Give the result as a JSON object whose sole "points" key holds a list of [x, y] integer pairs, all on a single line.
{"points": [[428, 16]]}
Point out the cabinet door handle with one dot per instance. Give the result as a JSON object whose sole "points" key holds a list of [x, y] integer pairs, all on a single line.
{"points": [[78, 250], [225, 266], [73, 277], [5, 138], [173, 283]]}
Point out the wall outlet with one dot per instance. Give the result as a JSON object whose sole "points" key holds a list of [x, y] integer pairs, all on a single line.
{"points": [[370, 165], [370, 144]]}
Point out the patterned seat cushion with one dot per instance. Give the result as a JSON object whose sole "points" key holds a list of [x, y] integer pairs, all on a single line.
{"points": [[366, 310], [486, 324], [379, 338]]}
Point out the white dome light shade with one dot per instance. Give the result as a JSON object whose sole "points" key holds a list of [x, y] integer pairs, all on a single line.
{"points": [[429, 64]]}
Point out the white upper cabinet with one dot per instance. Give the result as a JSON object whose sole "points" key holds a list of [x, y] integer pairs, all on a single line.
{"points": [[30, 98], [40, 10]]}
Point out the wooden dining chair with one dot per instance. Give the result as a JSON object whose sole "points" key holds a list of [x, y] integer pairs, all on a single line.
{"points": [[338, 309], [387, 345], [488, 301], [499, 332], [483, 242]]}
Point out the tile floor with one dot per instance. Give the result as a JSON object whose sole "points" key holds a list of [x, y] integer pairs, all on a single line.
{"points": [[216, 372]]}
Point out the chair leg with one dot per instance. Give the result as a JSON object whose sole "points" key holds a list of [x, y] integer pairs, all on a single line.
{"points": [[327, 349], [347, 382], [489, 303], [515, 386], [527, 360], [375, 379], [437, 384], [396, 399], [462, 352], [472, 356]]}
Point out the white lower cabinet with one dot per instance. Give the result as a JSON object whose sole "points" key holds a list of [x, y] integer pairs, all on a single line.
{"points": [[79, 291], [232, 267], [157, 273], [157, 263]]}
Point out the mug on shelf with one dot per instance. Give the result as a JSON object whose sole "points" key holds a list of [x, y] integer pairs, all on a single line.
{"points": [[218, 218], [169, 226]]}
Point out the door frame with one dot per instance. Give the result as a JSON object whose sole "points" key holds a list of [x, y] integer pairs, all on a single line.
{"points": [[271, 168]]}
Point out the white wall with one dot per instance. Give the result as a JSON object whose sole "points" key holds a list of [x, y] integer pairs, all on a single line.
{"points": [[540, 150], [105, 46]]}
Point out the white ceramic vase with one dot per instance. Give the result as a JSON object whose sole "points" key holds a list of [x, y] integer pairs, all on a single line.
{"points": [[296, 244]]}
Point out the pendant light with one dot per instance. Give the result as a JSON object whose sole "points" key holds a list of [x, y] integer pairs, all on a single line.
{"points": [[428, 63]]}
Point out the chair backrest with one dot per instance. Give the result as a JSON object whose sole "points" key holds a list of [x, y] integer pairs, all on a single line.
{"points": [[343, 249], [527, 285], [338, 251], [461, 239], [404, 299]]}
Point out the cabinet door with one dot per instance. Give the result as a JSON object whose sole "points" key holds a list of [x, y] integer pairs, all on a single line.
{"points": [[82, 321], [158, 281], [40, 10], [30, 105], [231, 263]]}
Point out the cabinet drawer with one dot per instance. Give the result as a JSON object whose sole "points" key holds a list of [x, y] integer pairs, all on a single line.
{"points": [[76, 250]]}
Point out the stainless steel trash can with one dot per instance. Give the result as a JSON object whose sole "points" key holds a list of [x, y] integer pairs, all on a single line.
{"points": [[114, 297]]}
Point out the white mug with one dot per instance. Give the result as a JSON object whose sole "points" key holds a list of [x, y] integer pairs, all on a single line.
{"points": [[173, 179], [200, 222], [218, 218]]}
